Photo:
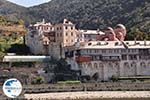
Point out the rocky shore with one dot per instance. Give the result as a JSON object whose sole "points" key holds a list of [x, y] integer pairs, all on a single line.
{"points": [[95, 95]]}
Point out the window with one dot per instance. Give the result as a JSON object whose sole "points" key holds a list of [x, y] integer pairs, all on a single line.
{"points": [[71, 28], [71, 33], [124, 57], [66, 40], [57, 28], [66, 34], [66, 27], [71, 40]]}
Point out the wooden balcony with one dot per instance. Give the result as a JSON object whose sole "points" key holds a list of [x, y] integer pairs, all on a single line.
{"points": [[82, 59]]}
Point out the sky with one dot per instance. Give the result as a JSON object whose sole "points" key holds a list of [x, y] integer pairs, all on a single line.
{"points": [[28, 3]]}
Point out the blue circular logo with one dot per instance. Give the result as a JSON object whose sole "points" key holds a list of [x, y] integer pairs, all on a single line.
{"points": [[12, 88]]}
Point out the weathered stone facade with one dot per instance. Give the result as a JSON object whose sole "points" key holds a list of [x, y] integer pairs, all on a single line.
{"points": [[106, 70], [112, 58], [91, 51]]}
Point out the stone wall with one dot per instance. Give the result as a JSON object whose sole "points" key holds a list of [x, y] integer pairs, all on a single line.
{"points": [[118, 68], [109, 86]]}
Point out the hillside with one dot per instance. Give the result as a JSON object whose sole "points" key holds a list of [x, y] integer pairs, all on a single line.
{"points": [[14, 12], [11, 10], [11, 34], [92, 14]]}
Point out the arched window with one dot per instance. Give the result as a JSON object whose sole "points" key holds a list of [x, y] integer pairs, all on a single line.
{"points": [[126, 64], [89, 65], [100, 65], [95, 65], [142, 64]]}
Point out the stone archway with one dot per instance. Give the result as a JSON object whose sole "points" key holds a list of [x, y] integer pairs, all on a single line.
{"points": [[126, 68], [101, 71], [143, 68], [117, 69], [130, 69], [134, 68]]}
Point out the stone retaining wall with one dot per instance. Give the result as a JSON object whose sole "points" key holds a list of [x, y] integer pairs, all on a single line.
{"points": [[111, 86]]}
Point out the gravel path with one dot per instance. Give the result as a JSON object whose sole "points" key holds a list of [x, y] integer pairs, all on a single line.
{"points": [[90, 95]]}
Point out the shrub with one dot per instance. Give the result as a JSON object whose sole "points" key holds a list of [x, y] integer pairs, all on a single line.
{"points": [[114, 78], [68, 82], [39, 80]]}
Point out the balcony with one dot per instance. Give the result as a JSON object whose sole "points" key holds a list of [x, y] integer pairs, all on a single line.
{"points": [[82, 59], [110, 58]]}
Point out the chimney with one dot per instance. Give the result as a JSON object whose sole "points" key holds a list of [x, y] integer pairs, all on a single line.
{"points": [[144, 42], [135, 42], [98, 30], [43, 21], [65, 21]]}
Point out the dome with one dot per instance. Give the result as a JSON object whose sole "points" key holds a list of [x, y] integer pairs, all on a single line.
{"points": [[121, 26], [109, 28]]}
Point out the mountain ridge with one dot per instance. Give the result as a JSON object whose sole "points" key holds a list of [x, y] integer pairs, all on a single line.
{"points": [[90, 14]]}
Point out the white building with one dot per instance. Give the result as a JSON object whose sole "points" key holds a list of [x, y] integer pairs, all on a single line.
{"points": [[88, 35], [65, 33], [108, 58], [85, 53], [47, 39]]}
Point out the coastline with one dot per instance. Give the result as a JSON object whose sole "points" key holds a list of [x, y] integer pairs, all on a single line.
{"points": [[95, 95]]}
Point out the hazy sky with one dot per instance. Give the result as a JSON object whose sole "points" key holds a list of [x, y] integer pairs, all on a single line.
{"points": [[28, 3]]}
